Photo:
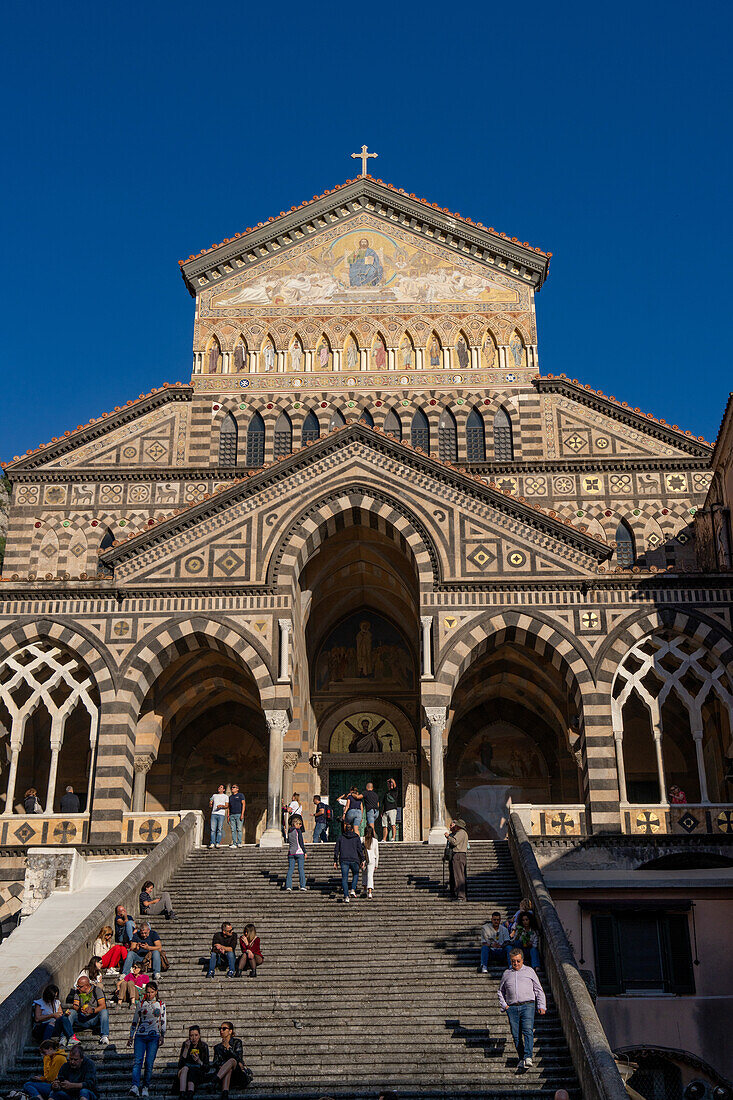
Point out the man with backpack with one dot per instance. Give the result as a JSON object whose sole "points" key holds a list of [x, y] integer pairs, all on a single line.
{"points": [[323, 815]]}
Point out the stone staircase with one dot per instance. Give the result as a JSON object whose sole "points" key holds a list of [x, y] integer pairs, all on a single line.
{"points": [[351, 998]]}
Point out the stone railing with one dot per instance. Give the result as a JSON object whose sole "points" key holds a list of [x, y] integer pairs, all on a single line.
{"points": [[149, 828], [551, 820], [62, 966], [46, 830], [594, 1063], [688, 819]]}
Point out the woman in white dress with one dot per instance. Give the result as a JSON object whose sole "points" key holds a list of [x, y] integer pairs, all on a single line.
{"points": [[371, 848]]}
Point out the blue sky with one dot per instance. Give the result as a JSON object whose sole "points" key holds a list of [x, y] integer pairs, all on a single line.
{"points": [[137, 134]]}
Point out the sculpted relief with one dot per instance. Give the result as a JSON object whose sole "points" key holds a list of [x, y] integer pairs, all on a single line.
{"points": [[365, 265], [362, 651]]}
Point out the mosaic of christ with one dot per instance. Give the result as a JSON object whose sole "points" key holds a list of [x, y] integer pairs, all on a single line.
{"points": [[367, 265], [361, 651]]}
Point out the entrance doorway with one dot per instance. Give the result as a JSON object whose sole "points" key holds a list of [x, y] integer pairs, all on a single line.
{"points": [[341, 780]]}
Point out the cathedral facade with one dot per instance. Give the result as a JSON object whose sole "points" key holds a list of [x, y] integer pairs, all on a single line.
{"points": [[367, 539]]}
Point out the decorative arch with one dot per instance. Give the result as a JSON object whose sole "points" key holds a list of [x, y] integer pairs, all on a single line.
{"points": [[475, 436], [365, 417], [625, 554], [349, 509], [447, 437], [503, 436], [228, 436], [695, 626], [45, 555], [420, 431], [89, 650], [393, 424], [283, 436], [311, 428], [337, 420], [256, 440]]}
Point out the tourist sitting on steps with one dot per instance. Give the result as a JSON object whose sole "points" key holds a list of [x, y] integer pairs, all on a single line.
{"points": [[350, 856], [90, 1010], [77, 1078], [252, 956], [495, 943], [519, 991], [229, 1060], [146, 949], [93, 970], [49, 1019], [526, 936], [125, 926], [155, 907], [193, 1062], [223, 946], [53, 1060], [525, 906], [296, 852], [147, 1033], [112, 954], [130, 988]]}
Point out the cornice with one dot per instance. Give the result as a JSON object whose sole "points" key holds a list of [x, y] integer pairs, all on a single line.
{"points": [[471, 484], [100, 426], [643, 422], [527, 265], [234, 473]]}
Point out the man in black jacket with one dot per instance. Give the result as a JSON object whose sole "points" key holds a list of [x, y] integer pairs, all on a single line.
{"points": [[349, 852]]}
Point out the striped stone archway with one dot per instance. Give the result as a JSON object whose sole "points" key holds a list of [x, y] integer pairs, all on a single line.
{"points": [[594, 740], [710, 634], [355, 508]]}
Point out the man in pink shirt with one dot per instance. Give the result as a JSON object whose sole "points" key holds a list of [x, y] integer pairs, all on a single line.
{"points": [[519, 990]]}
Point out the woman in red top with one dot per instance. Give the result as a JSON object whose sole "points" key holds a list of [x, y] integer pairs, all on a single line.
{"points": [[251, 955]]}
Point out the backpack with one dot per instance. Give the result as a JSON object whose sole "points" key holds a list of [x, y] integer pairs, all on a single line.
{"points": [[329, 811]]}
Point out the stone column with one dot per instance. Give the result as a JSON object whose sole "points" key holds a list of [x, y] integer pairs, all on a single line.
{"points": [[657, 734], [426, 622], [286, 627], [698, 735], [618, 737], [277, 724], [290, 759], [16, 744], [57, 739], [437, 718], [143, 764]]}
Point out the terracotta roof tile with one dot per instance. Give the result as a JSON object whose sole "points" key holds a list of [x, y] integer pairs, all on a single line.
{"points": [[94, 420], [390, 187]]}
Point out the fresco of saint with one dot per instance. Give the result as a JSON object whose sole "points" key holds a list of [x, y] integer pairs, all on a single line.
{"points": [[516, 347], [365, 267], [296, 357], [462, 353], [268, 354], [434, 353], [380, 355], [352, 356]]}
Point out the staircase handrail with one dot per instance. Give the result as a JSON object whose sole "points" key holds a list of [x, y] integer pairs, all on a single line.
{"points": [[589, 1048], [62, 966]]}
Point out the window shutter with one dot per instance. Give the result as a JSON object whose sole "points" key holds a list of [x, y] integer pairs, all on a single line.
{"points": [[678, 956], [605, 945]]}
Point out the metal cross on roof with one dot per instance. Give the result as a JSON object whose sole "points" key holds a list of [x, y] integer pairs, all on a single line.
{"points": [[364, 157]]}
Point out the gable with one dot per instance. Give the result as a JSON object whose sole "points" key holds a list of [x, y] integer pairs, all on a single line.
{"points": [[364, 262], [474, 532]]}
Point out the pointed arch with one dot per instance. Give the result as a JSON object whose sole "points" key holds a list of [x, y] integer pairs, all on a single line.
{"points": [[324, 356], [268, 355], [228, 436], [447, 437], [463, 350], [489, 351], [393, 425], [379, 352], [213, 356], [296, 355], [625, 545], [420, 431], [434, 351], [503, 436], [241, 355], [337, 420], [283, 435], [256, 441], [311, 428], [406, 353], [517, 351], [351, 353], [475, 437], [366, 418], [107, 539]]}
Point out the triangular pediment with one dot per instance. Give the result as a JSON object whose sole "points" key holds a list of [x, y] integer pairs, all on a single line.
{"points": [[389, 209], [472, 530]]}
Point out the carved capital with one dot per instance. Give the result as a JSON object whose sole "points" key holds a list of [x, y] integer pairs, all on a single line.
{"points": [[290, 759], [426, 620], [286, 625], [144, 763], [277, 721], [437, 717]]}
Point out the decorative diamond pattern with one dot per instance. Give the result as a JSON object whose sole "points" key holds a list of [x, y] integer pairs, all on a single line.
{"points": [[481, 557], [229, 562], [24, 833], [688, 822]]}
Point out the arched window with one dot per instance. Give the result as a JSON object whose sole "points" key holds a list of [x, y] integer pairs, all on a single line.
{"points": [[503, 441], [625, 550], [447, 437], [256, 441], [366, 418], [311, 428], [475, 437], [228, 441], [420, 431], [107, 540], [337, 420], [283, 435], [393, 425]]}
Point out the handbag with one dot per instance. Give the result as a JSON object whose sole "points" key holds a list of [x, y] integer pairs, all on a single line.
{"points": [[164, 964]]}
